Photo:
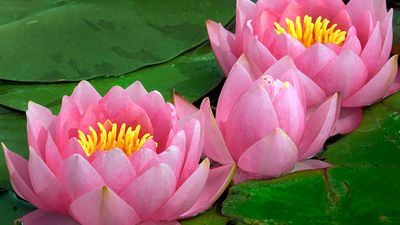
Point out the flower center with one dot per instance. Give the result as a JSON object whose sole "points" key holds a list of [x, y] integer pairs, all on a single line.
{"points": [[310, 32], [109, 137]]}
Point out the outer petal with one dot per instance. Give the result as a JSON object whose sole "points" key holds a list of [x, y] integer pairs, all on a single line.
{"points": [[142, 159], [115, 100], [345, 74], [187, 194], [151, 190], [260, 55], [352, 43], [285, 44], [387, 38], [372, 51], [310, 164], [84, 95], [115, 168], [223, 45], [183, 107], [46, 185], [376, 88], [395, 86], [19, 176], [165, 120], [349, 120], [78, 176], [214, 143], [174, 158], [245, 10], [136, 91], [376, 7], [52, 155], [152, 103], [218, 180], [149, 222], [237, 83], [272, 156], [251, 118], [40, 217], [319, 127], [105, 208]]}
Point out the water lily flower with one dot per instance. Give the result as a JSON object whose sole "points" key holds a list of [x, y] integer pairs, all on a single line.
{"points": [[263, 124], [343, 48], [124, 159]]}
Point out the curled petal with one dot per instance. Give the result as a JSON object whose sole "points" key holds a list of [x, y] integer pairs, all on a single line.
{"points": [[310, 164]]}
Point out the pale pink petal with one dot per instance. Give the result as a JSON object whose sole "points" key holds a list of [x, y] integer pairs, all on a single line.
{"points": [[214, 143], [174, 158], [285, 44], [72, 147], [376, 88], [136, 91], [292, 10], [115, 169], [290, 113], [84, 95], [186, 195], [132, 116], [349, 120], [223, 45], [263, 24], [164, 121], [387, 37], [310, 164], [46, 185], [142, 159], [149, 222], [194, 145], [237, 83], [105, 207], [151, 190], [67, 122], [115, 101], [244, 12], [395, 86], [19, 177], [327, 8], [41, 217], [319, 127], [182, 106], [260, 55], [314, 59], [152, 103], [78, 176], [272, 156], [241, 176], [277, 6], [364, 25], [372, 51], [342, 19], [376, 7], [280, 67], [52, 155], [293, 77], [345, 74], [352, 42], [217, 181], [251, 118]]}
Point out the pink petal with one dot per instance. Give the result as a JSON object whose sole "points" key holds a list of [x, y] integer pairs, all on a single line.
{"points": [[376, 88], [290, 112], [387, 37], [214, 143], [352, 43], [272, 156], [223, 44], [141, 160], [349, 120], [149, 222], [84, 95], [310, 164], [52, 155], [72, 147], [342, 19], [314, 59], [115, 100], [372, 50], [67, 123], [263, 24], [345, 74], [395, 86], [152, 103], [19, 177], [46, 185], [285, 44], [136, 91], [251, 118], [217, 181], [237, 83], [165, 120], [244, 12], [356, 8], [41, 217], [327, 8], [187, 194], [292, 10], [78, 177], [261, 56], [365, 25], [241, 176], [194, 146], [115, 169], [277, 6], [103, 206], [132, 116], [38, 118], [151, 190], [182, 106], [174, 158], [319, 127]]}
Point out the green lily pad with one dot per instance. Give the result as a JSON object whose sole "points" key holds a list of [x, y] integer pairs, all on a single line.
{"points": [[74, 40], [210, 217], [396, 32], [12, 208], [361, 188], [192, 75]]}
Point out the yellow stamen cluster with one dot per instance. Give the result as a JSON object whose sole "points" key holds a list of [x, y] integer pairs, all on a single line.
{"points": [[308, 32], [110, 137]]}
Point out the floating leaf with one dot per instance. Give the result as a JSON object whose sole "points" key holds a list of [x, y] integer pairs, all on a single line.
{"points": [[12, 208]]}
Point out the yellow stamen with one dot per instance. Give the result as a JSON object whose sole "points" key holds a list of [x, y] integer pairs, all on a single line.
{"points": [[309, 33], [109, 137]]}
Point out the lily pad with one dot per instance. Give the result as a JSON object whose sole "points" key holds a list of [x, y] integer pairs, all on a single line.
{"points": [[192, 75], [361, 188], [74, 40], [12, 208]]}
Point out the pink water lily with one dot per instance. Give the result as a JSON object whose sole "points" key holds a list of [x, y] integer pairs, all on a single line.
{"points": [[124, 159], [263, 123], [342, 48]]}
